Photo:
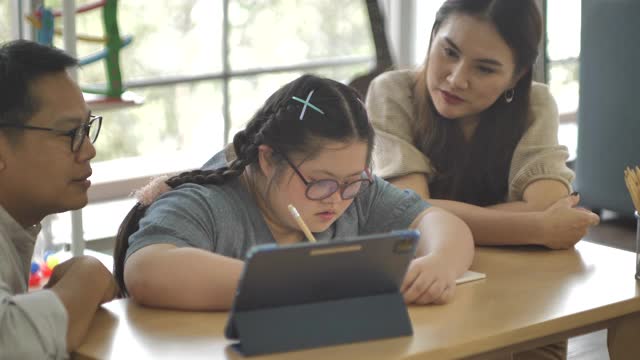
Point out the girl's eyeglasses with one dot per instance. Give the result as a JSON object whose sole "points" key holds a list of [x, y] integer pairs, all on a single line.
{"points": [[324, 188]]}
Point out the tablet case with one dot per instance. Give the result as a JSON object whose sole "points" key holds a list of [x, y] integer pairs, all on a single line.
{"points": [[325, 293]]}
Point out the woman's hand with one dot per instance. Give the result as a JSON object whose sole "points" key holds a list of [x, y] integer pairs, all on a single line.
{"points": [[428, 280], [563, 224]]}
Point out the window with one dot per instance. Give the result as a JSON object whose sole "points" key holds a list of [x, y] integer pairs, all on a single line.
{"points": [[563, 53], [202, 68], [5, 21], [425, 16], [279, 32], [176, 64], [185, 117]]}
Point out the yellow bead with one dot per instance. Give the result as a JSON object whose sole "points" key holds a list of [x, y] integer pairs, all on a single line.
{"points": [[52, 261]]}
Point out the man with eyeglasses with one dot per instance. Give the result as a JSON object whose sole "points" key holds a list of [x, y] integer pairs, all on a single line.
{"points": [[46, 144]]}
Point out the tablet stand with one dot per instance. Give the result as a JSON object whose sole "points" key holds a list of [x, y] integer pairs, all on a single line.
{"points": [[317, 324]]}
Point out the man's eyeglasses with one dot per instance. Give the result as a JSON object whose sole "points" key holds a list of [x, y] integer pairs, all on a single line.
{"points": [[322, 189], [91, 128]]}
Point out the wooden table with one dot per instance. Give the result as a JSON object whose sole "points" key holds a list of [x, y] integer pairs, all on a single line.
{"points": [[530, 297]]}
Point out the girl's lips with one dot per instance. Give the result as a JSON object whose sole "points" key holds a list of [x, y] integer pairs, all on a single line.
{"points": [[326, 215]]}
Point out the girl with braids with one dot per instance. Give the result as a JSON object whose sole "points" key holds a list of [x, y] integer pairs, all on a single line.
{"points": [[182, 246], [471, 132]]}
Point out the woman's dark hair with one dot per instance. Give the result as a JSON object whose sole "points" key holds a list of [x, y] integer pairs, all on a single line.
{"points": [[277, 124], [477, 171]]}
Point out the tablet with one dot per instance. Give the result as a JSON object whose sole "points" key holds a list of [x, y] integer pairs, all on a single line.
{"points": [[304, 273]]}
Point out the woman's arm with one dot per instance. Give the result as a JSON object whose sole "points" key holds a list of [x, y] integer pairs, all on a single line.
{"points": [[444, 253], [163, 275], [537, 196], [559, 226]]}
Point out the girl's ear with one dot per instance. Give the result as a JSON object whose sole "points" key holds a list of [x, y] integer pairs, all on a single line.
{"points": [[265, 160]]}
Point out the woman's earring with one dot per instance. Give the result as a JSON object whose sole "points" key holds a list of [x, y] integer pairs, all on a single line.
{"points": [[508, 95]]}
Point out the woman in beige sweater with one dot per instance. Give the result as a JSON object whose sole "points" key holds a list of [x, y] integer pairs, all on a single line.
{"points": [[470, 131]]}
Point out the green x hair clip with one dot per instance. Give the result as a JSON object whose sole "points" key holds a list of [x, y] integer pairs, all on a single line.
{"points": [[307, 103]]}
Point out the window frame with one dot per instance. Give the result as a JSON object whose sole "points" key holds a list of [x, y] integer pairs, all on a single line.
{"points": [[120, 187]]}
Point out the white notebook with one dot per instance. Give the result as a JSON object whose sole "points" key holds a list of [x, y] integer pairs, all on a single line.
{"points": [[470, 276]]}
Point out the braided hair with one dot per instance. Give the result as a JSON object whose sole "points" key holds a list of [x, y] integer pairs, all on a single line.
{"points": [[282, 124]]}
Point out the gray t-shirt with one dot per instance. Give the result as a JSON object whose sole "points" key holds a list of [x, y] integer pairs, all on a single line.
{"points": [[225, 219]]}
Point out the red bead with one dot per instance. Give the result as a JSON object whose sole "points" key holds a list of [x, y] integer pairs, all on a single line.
{"points": [[45, 271], [34, 279]]}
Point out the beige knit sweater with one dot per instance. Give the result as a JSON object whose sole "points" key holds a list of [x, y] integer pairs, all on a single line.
{"points": [[537, 156]]}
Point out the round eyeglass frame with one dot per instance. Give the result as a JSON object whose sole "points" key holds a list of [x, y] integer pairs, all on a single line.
{"points": [[335, 185]]}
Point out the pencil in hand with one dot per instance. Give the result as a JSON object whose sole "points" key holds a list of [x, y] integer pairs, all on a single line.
{"points": [[301, 224]]}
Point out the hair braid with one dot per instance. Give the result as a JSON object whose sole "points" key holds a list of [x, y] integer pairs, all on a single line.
{"points": [[245, 143]]}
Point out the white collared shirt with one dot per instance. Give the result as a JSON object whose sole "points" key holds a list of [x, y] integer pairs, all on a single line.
{"points": [[32, 325]]}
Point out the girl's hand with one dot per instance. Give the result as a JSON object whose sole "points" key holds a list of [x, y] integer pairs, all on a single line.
{"points": [[428, 280], [564, 224]]}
